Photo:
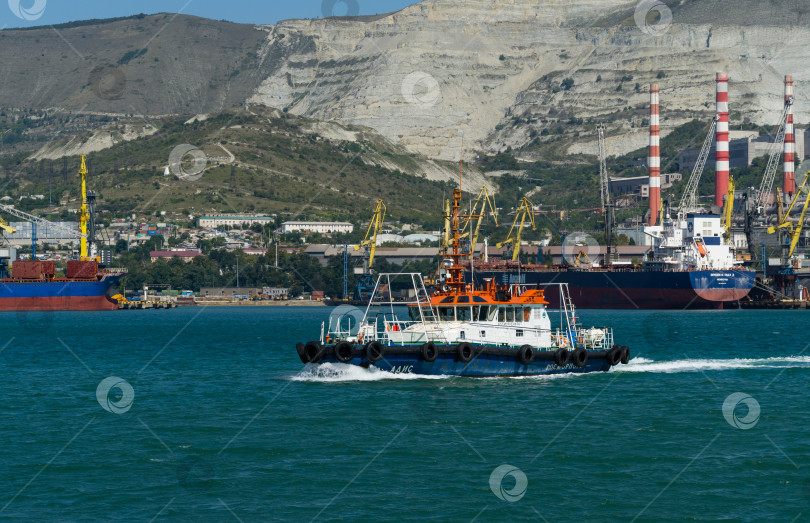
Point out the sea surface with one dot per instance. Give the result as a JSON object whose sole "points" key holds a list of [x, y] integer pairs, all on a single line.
{"points": [[207, 414]]}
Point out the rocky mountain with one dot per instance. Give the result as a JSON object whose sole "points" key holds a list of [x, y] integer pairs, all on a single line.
{"points": [[436, 76]]}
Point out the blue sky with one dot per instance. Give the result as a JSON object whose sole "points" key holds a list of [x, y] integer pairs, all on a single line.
{"points": [[27, 13]]}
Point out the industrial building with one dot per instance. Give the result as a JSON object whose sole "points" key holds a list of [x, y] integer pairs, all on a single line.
{"points": [[640, 185], [744, 146], [47, 232]]}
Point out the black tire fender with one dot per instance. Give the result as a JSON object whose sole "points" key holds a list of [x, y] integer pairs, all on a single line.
{"points": [[625, 359], [344, 352], [429, 352], [562, 357], [313, 352], [374, 351], [526, 355], [579, 357], [614, 356], [464, 352]]}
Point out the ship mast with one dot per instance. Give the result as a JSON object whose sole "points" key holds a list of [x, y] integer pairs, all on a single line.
{"points": [[456, 281]]}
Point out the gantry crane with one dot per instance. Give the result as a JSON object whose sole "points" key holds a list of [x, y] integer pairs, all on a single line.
{"points": [[526, 209], [477, 213], [689, 197]]}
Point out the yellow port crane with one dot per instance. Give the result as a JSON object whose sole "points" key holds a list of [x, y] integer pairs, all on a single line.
{"points": [[525, 210], [784, 215], [728, 211], [797, 231], [6, 227], [374, 229], [477, 213], [84, 214]]}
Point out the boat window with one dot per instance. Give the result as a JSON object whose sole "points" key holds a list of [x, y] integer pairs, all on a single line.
{"points": [[463, 299], [527, 313], [476, 313], [492, 312], [510, 314], [449, 299], [446, 313], [462, 335], [413, 313], [483, 334], [483, 312], [463, 314], [501, 314], [519, 333], [478, 299]]}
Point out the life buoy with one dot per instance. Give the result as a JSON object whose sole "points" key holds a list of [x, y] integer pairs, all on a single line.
{"points": [[579, 357], [344, 352], [464, 352], [614, 356], [374, 351], [429, 352], [526, 354], [313, 352], [561, 357]]}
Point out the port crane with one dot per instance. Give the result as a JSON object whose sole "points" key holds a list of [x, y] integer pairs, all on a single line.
{"points": [[477, 213], [604, 191], [786, 227], [5, 227], [366, 283], [774, 156], [689, 201], [524, 211], [729, 210]]}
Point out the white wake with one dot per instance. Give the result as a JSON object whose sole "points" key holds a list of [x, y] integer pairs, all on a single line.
{"points": [[698, 365]]}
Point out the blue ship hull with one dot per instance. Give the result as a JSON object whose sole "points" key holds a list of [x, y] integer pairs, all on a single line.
{"points": [[490, 362], [56, 295], [632, 288]]}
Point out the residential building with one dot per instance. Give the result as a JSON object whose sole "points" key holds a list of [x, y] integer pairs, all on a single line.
{"points": [[319, 227], [233, 220], [186, 256]]}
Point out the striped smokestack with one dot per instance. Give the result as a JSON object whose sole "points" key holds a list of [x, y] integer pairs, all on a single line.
{"points": [[654, 161], [721, 141], [789, 178]]}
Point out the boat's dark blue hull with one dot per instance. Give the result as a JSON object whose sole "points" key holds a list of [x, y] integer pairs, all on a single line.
{"points": [[489, 362]]}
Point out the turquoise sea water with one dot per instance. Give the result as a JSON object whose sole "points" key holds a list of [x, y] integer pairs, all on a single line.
{"points": [[214, 418]]}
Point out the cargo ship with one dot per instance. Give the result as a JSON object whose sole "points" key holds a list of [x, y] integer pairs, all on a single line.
{"points": [[691, 266], [34, 286]]}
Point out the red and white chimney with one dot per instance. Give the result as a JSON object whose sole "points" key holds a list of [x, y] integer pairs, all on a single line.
{"points": [[789, 176], [721, 141], [654, 161]]}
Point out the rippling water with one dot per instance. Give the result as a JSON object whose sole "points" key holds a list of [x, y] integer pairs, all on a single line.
{"points": [[211, 416]]}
